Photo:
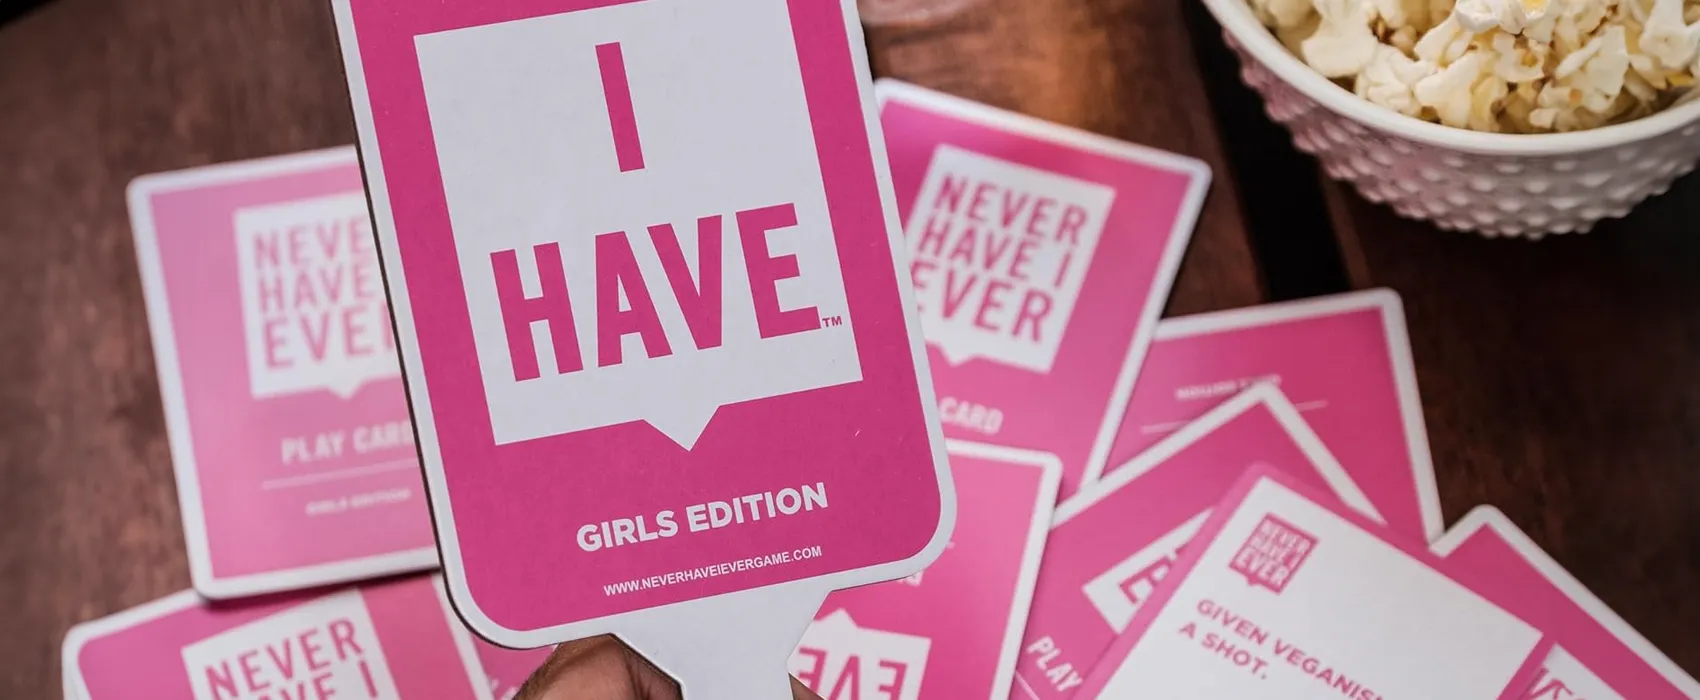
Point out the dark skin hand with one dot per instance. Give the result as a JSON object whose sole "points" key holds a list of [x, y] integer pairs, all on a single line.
{"points": [[601, 668]]}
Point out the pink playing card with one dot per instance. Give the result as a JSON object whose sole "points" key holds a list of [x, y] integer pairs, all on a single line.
{"points": [[283, 402], [395, 640], [1113, 542], [506, 669], [950, 632], [1597, 655], [1042, 257], [1285, 595], [643, 262], [1344, 361]]}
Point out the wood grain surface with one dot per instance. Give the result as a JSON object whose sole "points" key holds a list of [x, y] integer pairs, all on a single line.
{"points": [[96, 92], [92, 94], [1561, 383]]}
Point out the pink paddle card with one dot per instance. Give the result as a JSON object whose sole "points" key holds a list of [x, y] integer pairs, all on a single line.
{"points": [[1345, 362], [396, 640], [1284, 595], [1113, 542], [1042, 257], [665, 366], [950, 632], [284, 406], [1597, 656]]}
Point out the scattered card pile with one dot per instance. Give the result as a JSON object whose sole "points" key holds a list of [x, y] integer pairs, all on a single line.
{"points": [[1231, 505]]}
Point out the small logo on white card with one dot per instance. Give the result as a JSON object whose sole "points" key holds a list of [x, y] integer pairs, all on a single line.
{"points": [[314, 314], [1000, 251], [327, 648], [669, 249], [1273, 554], [841, 661], [1119, 592]]}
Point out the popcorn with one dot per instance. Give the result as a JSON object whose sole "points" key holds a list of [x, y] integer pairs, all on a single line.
{"points": [[1445, 43], [1343, 44], [1519, 61], [1450, 92], [1667, 37], [1287, 13], [1509, 15], [1517, 66], [1389, 79]]}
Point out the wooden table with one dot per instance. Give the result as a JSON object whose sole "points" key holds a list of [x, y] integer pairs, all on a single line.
{"points": [[1559, 379]]}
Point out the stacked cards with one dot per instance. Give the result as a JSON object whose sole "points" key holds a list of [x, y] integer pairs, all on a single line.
{"points": [[1247, 500], [294, 457], [1231, 505]]}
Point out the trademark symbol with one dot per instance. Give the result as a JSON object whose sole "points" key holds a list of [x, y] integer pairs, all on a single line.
{"points": [[830, 321]]}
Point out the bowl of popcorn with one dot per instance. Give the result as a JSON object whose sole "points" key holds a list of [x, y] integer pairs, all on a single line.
{"points": [[1504, 117]]}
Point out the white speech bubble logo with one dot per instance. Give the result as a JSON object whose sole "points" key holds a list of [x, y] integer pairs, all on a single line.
{"points": [[1119, 592], [314, 312], [596, 294], [999, 252], [325, 648], [841, 661]]}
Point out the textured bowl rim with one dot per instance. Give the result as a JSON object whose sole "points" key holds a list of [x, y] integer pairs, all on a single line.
{"points": [[1237, 18]]}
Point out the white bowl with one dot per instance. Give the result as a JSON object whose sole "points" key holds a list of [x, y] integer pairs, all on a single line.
{"points": [[1494, 184]]}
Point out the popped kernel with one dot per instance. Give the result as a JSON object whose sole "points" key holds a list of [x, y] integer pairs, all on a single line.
{"points": [[1515, 66]]}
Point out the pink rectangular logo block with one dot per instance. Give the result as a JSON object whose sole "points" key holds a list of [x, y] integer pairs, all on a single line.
{"points": [[950, 632], [1041, 257], [1344, 361], [1113, 544], [643, 262], [277, 364], [1273, 553], [388, 641], [1597, 655]]}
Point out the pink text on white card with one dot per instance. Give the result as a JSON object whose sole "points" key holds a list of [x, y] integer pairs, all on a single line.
{"points": [[1000, 251], [625, 300], [840, 661], [641, 272], [313, 306], [1241, 643], [323, 650], [622, 121]]}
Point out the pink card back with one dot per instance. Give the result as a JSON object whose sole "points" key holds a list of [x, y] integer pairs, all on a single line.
{"points": [[1344, 361], [1595, 647], [1114, 543], [642, 257], [395, 640], [283, 401], [949, 632], [1042, 257]]}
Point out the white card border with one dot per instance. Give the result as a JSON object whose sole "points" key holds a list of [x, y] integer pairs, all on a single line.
{"points": [[1491, 518], [1392, 310], [1261, 394], [401, 311], [76, 687], [168, 366], [1186, 222], [1032, 555]]}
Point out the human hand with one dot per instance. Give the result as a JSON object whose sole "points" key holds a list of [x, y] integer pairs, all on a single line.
{"points": [[602, 668]]}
